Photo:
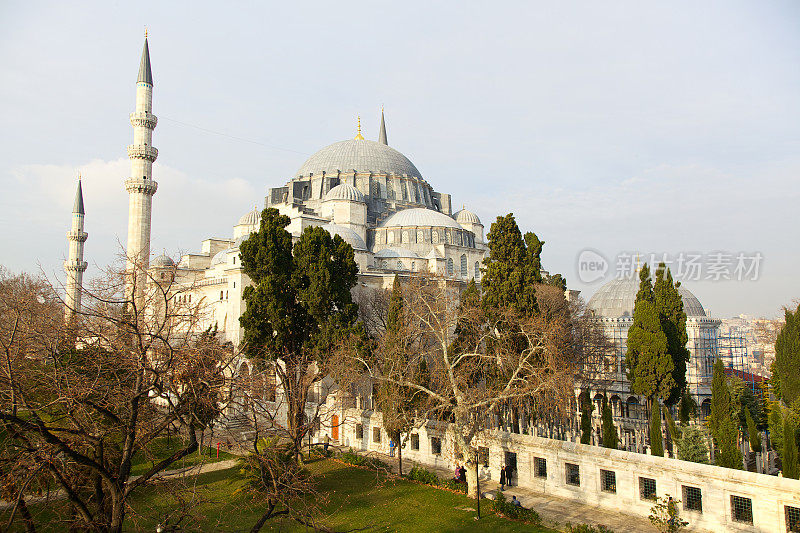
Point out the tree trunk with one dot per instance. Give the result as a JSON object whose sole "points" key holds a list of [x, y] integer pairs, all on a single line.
{"points": [[472, 479], [399, 457]]}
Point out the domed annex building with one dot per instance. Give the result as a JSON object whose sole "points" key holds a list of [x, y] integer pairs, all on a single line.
{"points": [[369, 194], [612, 307]]}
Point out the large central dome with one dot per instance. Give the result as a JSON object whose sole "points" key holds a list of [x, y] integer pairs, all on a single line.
{"points": [[617, 298], [360, 155]]}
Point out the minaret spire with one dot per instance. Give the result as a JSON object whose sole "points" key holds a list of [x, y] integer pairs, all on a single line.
{"points": [[75, 266], [140, 184], [382, 136]]}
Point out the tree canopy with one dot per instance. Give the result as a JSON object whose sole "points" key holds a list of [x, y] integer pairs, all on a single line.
{"points": [[673, 321], [786, 367]]}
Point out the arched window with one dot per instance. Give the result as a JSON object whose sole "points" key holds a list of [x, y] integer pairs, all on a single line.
{"points": [[435, 236], [420, 236], [460, 239], [463, 266], [399, 265], [405, 237], [449, 266], [448, 237], [390, 237], [477, 269]]}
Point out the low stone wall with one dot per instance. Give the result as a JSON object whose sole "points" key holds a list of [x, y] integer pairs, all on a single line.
{"points": [[725, 499]]}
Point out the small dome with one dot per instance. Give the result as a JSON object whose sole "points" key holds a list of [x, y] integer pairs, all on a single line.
{"points": [[251, 218], [163, 261], [220, 257], [360, 155], [343, 191], [419, 217], [617, 298], [398, 253], [349, 236], [467, 217]]}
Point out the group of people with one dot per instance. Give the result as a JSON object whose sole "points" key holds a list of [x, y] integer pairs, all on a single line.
{"points": [[506, 474], [461, 474]]}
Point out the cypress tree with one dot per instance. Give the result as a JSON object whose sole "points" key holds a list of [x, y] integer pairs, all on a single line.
{"points": [[511, 270], [649, 364], [673, 321], [675, 432], [752, 432], [610, 437], [775, 424], [586, 418], [720, 399], [729, 454], [395, 314], [687, 408], [785, 375], [656, 439], [790, 465]]}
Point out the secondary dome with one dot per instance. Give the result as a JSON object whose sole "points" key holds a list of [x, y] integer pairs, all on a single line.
{"points": [[420, 217], [163, 261], [616, 299], [360, 155], [398, 253], [467, 217], [343, 191], [349, 236], [251, 218]]}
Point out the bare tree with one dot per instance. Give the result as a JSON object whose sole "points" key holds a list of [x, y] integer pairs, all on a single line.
{"points": [[475, 364], [80, 400]]}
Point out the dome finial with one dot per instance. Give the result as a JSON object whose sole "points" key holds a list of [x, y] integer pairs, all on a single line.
{"points": [[145, 32], [359, 137], [638, 263]]}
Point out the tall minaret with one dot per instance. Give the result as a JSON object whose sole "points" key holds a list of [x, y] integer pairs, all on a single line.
{"points": [[382, 135], [140, 184], [75, 266]]}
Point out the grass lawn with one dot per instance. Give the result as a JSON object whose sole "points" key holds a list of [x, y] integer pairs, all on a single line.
{"points": [[161, 448], [357, 500]]}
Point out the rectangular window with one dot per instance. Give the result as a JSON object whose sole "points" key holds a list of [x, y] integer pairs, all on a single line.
{"points": [[376, 435], [436, 446], [483, 455], [742, 509], [573, 474], [692, 499], [647, 488], [540, 467], [415, 441], [792, 519], [359, 431], [608, 481]]}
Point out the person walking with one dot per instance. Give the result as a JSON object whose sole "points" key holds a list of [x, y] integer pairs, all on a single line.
{"points": [[503, 478], [391, 448]]}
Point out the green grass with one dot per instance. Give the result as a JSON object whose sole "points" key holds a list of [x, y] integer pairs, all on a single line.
{"points": [[357, 500], [161, 448]]}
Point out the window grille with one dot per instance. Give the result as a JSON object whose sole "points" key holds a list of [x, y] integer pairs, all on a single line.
{"points": [[415, 441], [647, 488], [692, 499], [436, 446], [540, 467], [376, 435], [463, 266], [359, 431], [608, 481], [573, 474], [742, 509], [792, 519]]}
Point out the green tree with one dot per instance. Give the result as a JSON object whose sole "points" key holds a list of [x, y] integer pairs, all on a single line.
{"points": [[752, 432], [785, 374], [775, 422], [512, 268], [687, 408], [650, 367], [673, 321], [298, 307], [693, 445], [656, 439], [586, 418], [790, 464], [610, 437], [723, 428]]}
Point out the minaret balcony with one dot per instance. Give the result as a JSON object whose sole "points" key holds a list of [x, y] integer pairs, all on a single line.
{"points": [[143, 118], [79, 236], [142, 151], [75, 265], [141, 185]]}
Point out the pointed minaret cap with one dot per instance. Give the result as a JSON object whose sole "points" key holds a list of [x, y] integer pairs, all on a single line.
{"points": [[78, 206], [145, 74], [358, 136], [382, 135]]}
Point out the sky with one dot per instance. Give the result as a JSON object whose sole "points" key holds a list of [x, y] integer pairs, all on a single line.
{"points": [[609, 129]]}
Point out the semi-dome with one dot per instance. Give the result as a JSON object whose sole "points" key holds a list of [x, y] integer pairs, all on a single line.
{"points": [[162, 261], [251, 218], [344, 191], [361, 155], [420, 217], [220, 257], [616, 299], [467, 217], [396, 253], [349, 236]]}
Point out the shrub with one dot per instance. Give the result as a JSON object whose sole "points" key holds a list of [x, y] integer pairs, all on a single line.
{"points": [[504, 507], [586, 528], [452, 484], [352, 458], [418, 473]]}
